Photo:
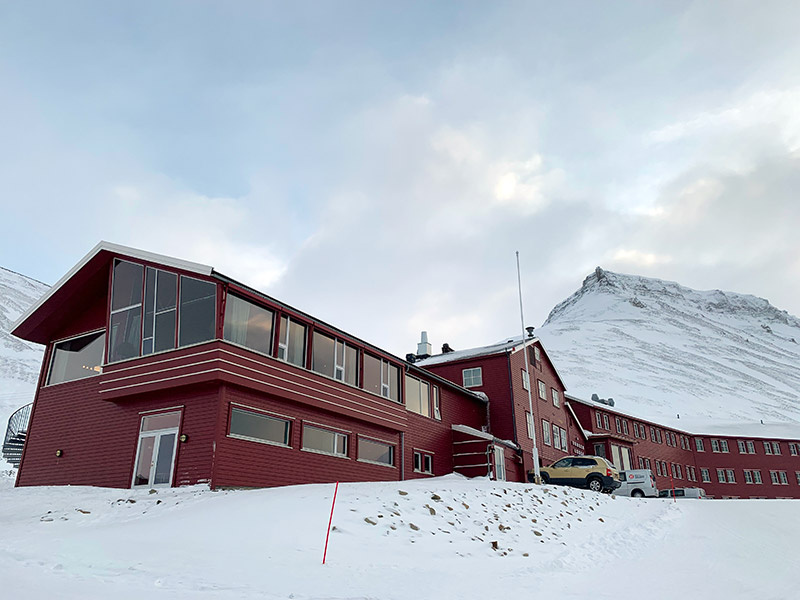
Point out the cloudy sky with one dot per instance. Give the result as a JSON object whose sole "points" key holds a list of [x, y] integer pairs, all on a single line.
{"points": [[378, 164]]}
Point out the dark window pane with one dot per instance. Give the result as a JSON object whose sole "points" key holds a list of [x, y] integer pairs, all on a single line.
{"points": [[322, 352], [165, 331], [372, 374], [375, 452], [142, 475], [125, 333], [259, 427], [166, 291], [149, 305], [198, 307], [394, 383], [127, 285], [351, 365], [166, 446], [412, 394], [78, 358], [323, 440], [248, 325]]}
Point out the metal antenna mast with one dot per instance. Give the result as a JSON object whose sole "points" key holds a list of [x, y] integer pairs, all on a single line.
{"points": [[532, 422]]}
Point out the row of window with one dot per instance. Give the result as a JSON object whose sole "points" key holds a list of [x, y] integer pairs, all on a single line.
{"points": [[555, 395], [552, 434], [745, 447], [663, 470], [154, 310], [272, 429], [751, 476]]}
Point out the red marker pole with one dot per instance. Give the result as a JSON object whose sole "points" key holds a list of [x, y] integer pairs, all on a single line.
{"points": [[324, 554], [672, 483]]}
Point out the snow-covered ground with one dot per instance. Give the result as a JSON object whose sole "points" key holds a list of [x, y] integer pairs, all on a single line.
{"points": [[433, 538]]}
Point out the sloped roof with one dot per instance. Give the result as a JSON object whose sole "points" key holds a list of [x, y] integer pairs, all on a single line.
{"points": [[510, 345]]}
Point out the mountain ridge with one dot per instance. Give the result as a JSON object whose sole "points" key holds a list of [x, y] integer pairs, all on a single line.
{"points": [[662, 349]]}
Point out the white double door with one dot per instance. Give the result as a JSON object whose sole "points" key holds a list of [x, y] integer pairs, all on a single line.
{"points": [[155, 458]]}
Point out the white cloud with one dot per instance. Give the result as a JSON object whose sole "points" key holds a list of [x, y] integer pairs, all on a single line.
{"points": [[639, 258]]}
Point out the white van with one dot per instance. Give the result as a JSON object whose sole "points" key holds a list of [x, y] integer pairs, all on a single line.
{"points": [[692, 492], [638, 483]]}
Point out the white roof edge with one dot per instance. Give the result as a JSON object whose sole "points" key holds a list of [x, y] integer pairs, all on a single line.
{"points": [[117, 249], [483, 435], [577, 420], [473, 432]]}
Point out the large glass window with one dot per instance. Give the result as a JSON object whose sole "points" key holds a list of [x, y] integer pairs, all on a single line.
{"points": [[160, 311], [126, 311], [77, 358], [324, 440], [259, 427], [198, 311], [292, 342], [334, 358], [323, 350], [248, 325], [418, 396], [377, 452], [381, 377]]}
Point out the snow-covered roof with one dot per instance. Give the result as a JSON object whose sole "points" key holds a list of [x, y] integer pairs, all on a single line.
{"points": [[498, 348]]}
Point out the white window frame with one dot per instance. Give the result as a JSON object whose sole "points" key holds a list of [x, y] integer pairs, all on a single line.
{"points": [[526, 380], [529, 424], [784, 478], [723, 444], [757, 476], [748, 477], [598, 418], [556, 397], [773, 475], [698, 443], [546, 432], [705, 475], [793, 449], [776, 448], [721, 476], [751, 447], [715, 445], [472, 377], [731, 475], [542, 389], [437, 408], [564, 443], [556, 437], [336, 436], [768, 448]]}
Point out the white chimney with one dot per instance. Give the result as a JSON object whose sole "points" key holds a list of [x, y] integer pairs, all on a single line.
{"points": [[424, 348]]}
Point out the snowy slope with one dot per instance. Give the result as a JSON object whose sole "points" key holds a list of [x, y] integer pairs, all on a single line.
{"points": [[20, 361], [396, 540], [661, 349]]}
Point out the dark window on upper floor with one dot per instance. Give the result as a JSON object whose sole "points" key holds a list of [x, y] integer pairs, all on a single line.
{"points": [[381, 377], [334, 358], [292, 342], [248, 325], [143, 325], [197, 319], [77, 358], [418, 396]]}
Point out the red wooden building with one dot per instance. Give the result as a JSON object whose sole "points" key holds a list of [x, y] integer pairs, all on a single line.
{"points": [[759, 463], [500, 372], [159, 371]]}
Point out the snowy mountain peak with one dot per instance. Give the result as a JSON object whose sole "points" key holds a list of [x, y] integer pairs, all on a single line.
{"points": [[645, 292], [662, 349]]}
